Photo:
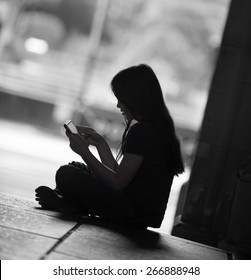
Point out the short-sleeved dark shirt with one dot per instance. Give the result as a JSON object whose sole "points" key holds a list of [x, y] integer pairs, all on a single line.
{"points": [[149, 191]]}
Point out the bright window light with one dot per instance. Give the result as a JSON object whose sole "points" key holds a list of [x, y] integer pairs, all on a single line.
{"points": [[36, 45]]}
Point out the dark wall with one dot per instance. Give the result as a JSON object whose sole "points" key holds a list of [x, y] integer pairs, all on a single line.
{"points": [[213, 211]]}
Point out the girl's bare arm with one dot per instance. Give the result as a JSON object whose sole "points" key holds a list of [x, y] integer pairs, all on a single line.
{"points": [[118, 179], [104, 151], [106, 156]]}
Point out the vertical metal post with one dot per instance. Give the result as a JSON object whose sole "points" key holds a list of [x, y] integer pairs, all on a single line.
{"points": [[96, 32], [8, 26]]}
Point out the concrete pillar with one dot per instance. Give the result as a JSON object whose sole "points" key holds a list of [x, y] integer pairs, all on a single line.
{"points": [[224, 141]]}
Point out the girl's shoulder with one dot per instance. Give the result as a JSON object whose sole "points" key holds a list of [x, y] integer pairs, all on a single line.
{"points": [[138, 139], [144, 138], [144, 131], [143, 126], [146, 128], [140, 129]]}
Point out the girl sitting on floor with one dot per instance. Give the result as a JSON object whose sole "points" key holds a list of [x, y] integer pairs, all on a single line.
{"points": [[132, 189]]}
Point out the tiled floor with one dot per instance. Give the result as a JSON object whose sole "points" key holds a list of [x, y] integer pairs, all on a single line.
{"points": [[27, 232]]}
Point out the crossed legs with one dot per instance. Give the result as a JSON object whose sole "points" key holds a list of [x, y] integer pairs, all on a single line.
{"points": [[77, 190]]}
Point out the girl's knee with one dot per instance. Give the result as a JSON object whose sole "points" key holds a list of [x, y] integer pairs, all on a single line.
{"points": [[63, 176]]}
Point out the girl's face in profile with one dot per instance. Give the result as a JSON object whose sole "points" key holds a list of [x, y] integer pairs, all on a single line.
{"points": [[125, 111]]}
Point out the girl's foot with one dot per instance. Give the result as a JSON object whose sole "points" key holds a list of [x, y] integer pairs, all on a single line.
{"points": [[50, 200]]}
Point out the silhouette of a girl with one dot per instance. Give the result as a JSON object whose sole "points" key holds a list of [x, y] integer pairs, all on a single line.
{"points": [[134, 190]]}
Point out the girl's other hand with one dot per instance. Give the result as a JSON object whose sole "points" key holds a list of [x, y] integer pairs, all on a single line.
{"points": [[91, 136]]}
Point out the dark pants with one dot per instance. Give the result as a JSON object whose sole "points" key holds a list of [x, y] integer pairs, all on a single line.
{"points": [[82, 189]]}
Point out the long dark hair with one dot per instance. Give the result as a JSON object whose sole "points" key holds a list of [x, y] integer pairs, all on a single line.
{"points": [[138, 88]]}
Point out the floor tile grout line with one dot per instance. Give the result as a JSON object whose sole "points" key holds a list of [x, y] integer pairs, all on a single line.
{"points": [[60, 240], [29, 232]]}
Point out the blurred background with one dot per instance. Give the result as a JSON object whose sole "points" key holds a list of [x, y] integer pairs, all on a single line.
{"points": [[57, 58]]}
